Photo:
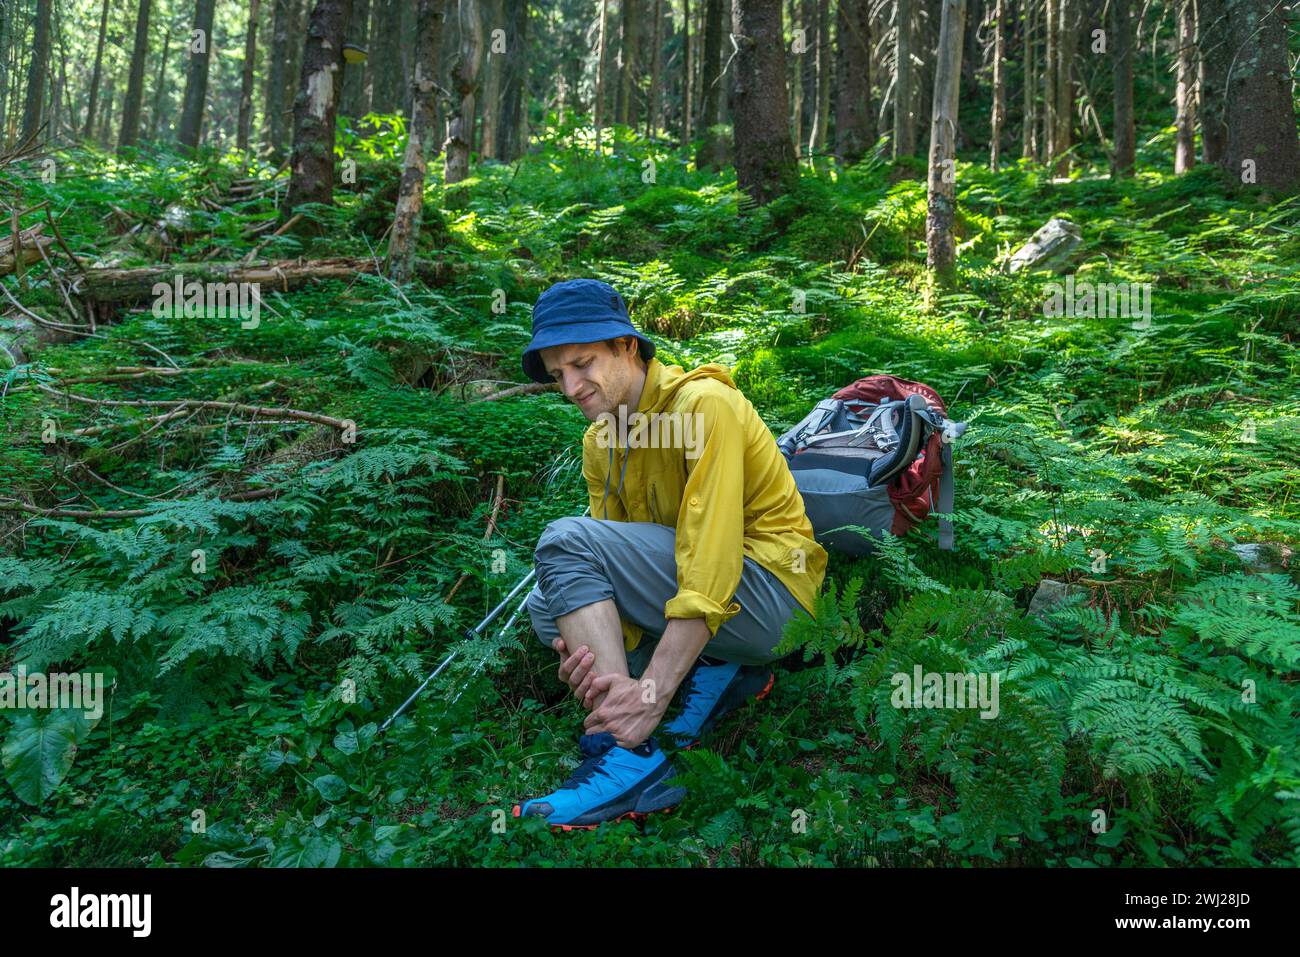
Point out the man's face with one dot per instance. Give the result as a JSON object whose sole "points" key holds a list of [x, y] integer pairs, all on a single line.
{"points": [[591, 376]]}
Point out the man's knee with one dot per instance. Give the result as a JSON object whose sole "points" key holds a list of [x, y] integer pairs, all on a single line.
{"points": [[562, 535]]}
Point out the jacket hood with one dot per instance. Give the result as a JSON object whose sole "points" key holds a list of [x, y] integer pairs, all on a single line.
{"points": [[663, 381]]}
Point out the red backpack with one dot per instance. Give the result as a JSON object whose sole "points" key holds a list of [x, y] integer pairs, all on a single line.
{"points": [[877, 455]]}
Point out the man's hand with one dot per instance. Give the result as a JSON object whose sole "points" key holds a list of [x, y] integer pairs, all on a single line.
{"points": [[623, 710], [575, 671]]}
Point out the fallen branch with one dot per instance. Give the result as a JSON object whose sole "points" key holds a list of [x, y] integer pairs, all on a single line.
{"points": [[532, 388], [178, 404], [487, 536]]}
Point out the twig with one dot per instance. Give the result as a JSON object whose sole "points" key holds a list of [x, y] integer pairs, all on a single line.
{"points": [[487, 536]]}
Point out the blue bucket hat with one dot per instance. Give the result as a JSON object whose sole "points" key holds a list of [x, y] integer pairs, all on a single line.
{"points": [[574, 311]]}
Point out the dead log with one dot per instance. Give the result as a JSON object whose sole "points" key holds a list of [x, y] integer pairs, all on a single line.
{"points": [[30, 241], [125, 285]]}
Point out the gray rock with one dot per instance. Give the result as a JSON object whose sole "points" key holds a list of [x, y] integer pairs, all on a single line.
{"points": [[1051, 593], [1050, 247], [1265, 557]]}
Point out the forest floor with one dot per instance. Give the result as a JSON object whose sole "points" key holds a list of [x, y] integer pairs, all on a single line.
{"points": [[257, 642]]}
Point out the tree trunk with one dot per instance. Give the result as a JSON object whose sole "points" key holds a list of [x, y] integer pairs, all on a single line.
{"points": [[904, 140], [822, 104], [853, 123], [1064, 112], [999, 82], [89, 129], [765, 161], [631, 38], [688, 72], [311, 167], [160, 85], [277, 77], [410, 196], [1125, 132], [656, 44], [387, 78], [34, 105], [354, 101], [941, 250], [598, 109], [1215, 57], [511, 142], [464, 80], [1029, 125], [1185, 95], [130, 130], [1263, 146], [196, 80], [494, 61], [246, 79], [710, 64]]}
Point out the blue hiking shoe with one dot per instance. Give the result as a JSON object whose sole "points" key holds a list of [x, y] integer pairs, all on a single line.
{"points": [[711, 692], [611, 784]]}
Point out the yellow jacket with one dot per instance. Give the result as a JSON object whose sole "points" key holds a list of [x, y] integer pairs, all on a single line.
{"points": [[713, 472]]}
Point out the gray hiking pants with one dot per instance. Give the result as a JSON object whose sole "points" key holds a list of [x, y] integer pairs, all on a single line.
{"points": [[583, 560]]}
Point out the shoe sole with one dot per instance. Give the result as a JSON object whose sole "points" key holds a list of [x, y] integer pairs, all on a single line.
{"points": [[638, 816], [767, 689]]}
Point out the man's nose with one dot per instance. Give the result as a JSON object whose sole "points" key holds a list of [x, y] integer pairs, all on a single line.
{"points": [[572, 384]]}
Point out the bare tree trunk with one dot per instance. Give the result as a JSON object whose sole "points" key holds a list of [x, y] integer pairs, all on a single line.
{"points": [[354, 101], [822, 105], [1064, 85], [410, 196], [765, 161], [1185, 96], [631, 38], [1215, 57], [853, 105], [1125, 132], [1029, 126], [799, 48], [34, 106], [941, 249], [904, 129], [130, 130], [311, 165], [89, 128], [387, 78], [277, 77], [160, 85], [512, 140], [656, 44], [464, 79], [196, 80], [1051, 36], [246, 79], [598, 108], [688, 72], [999, 82], [493, 65], [1262, 143]]}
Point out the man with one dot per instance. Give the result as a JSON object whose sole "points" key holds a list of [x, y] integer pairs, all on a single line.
{"points": [[687, 569]]}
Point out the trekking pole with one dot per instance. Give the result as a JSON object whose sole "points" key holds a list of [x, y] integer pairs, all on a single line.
{"points": [[470, 633]]}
